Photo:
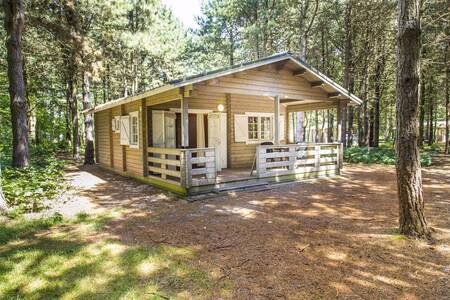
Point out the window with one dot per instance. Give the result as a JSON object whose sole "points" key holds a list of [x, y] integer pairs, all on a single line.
{"points": [[254, 127], [259, 128], [134, 129]]}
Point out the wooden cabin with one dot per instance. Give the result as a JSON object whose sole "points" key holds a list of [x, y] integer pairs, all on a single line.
{"points": [[222, 130]]}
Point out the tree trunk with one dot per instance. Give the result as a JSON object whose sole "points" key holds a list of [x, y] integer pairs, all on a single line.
{"points": [[4, 207], [347, 138], [409, 175], [447, 101], [330, 126], [360, 127], [371, 126], [88, 123], [430, 118], [14, 24], [422, 113], [72, 90], [376, 106]]}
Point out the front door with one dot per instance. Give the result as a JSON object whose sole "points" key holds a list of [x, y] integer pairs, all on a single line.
{"points": [[217, 137]]}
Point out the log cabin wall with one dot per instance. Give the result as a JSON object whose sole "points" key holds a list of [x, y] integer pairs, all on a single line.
{"points": [[102, 130], [110, 152]]}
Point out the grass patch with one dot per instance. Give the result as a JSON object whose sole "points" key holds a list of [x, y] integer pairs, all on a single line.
{"points": [[70, 261], [399, 237]]}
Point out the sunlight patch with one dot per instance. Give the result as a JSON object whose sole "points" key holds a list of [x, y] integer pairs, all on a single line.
{"points": [[86, 180], [146, 268], [114, 248], [337, 255], [246, 213], [35, 284]]}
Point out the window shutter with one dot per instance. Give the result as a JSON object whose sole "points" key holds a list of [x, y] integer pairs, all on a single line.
{"points": [[282, 133], [240, 128], [125, 130]]}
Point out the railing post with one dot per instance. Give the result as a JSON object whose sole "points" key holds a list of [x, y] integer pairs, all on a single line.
{"points": [[185, 168], [317, 157], [292, 157], [257, 164], [213, 166]]}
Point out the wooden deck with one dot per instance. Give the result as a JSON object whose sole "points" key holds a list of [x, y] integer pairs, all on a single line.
{"points": [[227, 175], [193, 171]]}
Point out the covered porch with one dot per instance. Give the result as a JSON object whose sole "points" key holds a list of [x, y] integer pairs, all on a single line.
{"points": [[195, 156]]}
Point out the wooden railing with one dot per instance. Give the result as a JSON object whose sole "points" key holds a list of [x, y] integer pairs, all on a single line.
{"points": [[183, 167], [276, 160]]}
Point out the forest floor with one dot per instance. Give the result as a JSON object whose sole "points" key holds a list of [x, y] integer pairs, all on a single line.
{"points": [[322, 239]]}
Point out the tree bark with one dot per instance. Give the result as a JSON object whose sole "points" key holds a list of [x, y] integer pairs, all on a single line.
{"points": [[14, 24], [430, 117], [347, 138], [375, 132], [447, 101], [88, 123], [73, 106], [4, 207], [409, 176], [422, 113]]}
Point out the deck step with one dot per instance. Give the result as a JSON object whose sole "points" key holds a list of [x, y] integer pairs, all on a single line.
{"points": [[241, 186]]}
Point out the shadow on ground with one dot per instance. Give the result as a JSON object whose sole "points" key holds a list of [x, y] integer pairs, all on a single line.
{"points": [[334, 238]]}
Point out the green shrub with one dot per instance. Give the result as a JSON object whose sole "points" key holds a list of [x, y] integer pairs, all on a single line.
{"points": [[26, 189], [382, 155]]}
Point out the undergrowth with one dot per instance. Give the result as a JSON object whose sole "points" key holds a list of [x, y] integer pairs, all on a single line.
{"points": [[27, 189], [385, 154]]}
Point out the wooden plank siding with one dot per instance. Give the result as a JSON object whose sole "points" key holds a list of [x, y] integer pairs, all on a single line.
{"points": [[117, 148], [242, 154], [102, 128], [134, 162]]}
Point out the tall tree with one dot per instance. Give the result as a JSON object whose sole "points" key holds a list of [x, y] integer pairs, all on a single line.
{"points": [[88, 122], [447, 96], [14, 25], [347, 130], [409, 175]]}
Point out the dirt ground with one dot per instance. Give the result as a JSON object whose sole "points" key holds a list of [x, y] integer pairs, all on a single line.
{"points": [[328, 238]]}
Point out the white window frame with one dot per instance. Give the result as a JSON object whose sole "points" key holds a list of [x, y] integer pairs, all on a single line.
{"points": [[134, 116], [116, 124], [259, 117]]}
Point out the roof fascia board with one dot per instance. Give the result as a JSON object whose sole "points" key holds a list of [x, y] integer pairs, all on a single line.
{"points": [[125, 100], [327, 80]]}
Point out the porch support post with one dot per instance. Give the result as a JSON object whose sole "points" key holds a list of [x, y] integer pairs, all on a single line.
{"points": [[184, 120], [277, 120], [340, 132], [144, 125]]}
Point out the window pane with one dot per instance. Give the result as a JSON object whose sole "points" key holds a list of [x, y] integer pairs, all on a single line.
{"points": [[266, 128], [134, 130], [252, 128]]}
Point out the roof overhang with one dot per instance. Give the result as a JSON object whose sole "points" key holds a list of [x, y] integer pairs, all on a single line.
{"points": [[239, 68]]}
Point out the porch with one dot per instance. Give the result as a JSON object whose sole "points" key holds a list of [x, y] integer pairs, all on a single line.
{"points": [[193, 171]]}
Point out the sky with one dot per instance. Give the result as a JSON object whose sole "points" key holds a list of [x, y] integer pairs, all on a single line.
{"points": [[185, 10]]}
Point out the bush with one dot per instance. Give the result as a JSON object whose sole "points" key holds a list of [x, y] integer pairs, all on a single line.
{"points": [[26, 189], [382, 155]]}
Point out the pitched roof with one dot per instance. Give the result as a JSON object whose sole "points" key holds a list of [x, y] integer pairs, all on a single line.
{"points": [[184, 81]]}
